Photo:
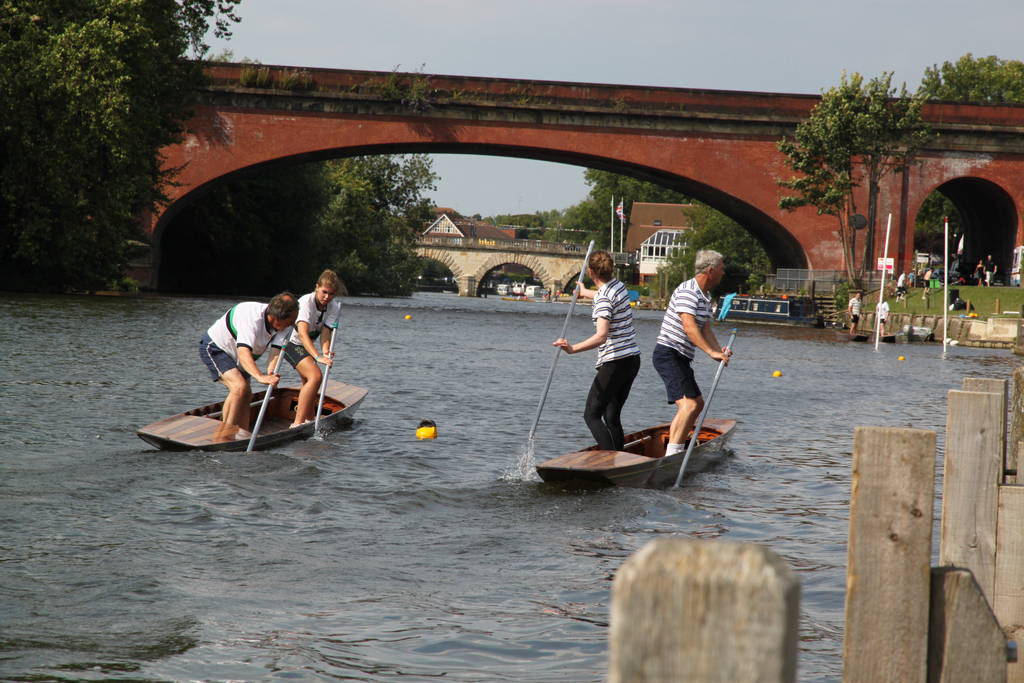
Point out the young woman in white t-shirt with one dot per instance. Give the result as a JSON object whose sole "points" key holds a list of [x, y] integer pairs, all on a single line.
{"points": [[319, 316]]}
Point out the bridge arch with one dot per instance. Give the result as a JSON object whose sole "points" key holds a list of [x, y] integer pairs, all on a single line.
{"points": [[783, 248], [538, 268], [718, 147], [445, 258], [988, 217]]}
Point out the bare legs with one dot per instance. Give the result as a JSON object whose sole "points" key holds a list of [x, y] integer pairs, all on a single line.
{"points": [[310, 373], [687, 410], [236, 405]]}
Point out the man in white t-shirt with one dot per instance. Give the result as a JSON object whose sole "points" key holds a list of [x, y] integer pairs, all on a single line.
{"points": [[231, 346]]}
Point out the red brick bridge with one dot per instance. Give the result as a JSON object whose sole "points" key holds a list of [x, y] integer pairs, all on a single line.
{"points": [[716, 146]]}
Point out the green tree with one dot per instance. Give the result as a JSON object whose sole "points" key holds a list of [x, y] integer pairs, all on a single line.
{"points": [[929, 226], [969, 79], [746, 261], [279, 229], [858, 133], [92, 90], [593, 213], [536, 225], [369, 230]]}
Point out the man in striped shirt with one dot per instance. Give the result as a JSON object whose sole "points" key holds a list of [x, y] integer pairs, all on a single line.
{"points": [[686, 327], [618, 356]]}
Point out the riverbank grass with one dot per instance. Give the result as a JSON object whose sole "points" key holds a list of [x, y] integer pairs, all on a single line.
{"points": [[987, 302]]}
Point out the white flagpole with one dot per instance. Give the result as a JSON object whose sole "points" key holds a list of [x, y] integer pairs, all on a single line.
{"points": [[622, 222], [945, 289], [881, 291], [611, 238]]}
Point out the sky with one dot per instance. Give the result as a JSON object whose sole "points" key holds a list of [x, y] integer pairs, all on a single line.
{"points": [[787, 46]]}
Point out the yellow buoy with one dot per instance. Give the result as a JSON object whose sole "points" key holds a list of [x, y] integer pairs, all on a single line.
{"points": [[426, 430], [777, 373], [408, 317], [900, 358]]}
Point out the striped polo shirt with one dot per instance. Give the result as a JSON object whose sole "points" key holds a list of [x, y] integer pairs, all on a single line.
{"points": [[612, 303], [688, 298]]}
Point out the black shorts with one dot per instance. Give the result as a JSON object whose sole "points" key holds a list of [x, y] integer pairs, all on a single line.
{"points": [[855, 318], [676, 373], [295, 353]]}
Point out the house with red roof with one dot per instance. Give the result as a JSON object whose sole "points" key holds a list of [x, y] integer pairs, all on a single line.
{"points": [[655, 232]]}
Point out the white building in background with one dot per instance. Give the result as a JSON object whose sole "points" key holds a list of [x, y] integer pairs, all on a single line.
{"points": [[655, 232]]}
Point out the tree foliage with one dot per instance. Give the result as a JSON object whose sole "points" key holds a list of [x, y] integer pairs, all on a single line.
{"points": [[970, 79], [746, 261], [929, 226], [593, 213], [370, 225], [858, 133], [278, 230], [92, 90]]}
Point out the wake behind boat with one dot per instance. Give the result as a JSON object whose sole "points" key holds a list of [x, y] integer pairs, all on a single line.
{"points": [[202, 429], [642, 463]]}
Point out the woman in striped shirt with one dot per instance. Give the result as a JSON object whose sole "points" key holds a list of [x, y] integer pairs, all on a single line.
{"points": [[618, 356]]}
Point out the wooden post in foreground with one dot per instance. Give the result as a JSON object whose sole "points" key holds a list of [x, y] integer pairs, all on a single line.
{"points": [[889, 553], [973, 468], [1016, 421], [999, 387], [1008, 601], [965, 642], [704, 611]]}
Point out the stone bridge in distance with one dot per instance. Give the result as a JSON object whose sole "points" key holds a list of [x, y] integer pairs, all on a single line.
{"points": [[470, 259]]}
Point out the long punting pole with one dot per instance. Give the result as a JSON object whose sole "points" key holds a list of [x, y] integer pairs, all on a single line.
{"points": [[558, 351], [266, 402], [945, 289], [881, 291], [323, 380], [703, 413]]}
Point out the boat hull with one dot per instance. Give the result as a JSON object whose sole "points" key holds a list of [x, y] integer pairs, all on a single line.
{"points": [[202, 429], [643, 464]]}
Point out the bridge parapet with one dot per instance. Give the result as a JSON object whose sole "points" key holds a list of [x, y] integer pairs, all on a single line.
{"points": [[530, 246]]}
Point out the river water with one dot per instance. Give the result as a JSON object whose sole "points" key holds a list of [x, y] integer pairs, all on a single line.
{"points": [[370, 555]]}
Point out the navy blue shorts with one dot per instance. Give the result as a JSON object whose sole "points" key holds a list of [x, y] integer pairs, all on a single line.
{"points": [[676, 373], [216, 359]]}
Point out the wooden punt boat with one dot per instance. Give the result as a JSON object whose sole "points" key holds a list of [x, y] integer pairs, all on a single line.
{"points": [[201, 428], [642, 463]]}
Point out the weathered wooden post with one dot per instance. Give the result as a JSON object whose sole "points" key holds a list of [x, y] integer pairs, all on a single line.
{"points": [[1008, 601], [999, 387], [888, 556], [704, 611], [973, 468], [1013, 450], [965, 642]]}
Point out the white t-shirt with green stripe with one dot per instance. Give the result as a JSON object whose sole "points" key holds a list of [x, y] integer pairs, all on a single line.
{"points": [[245, 325]]}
